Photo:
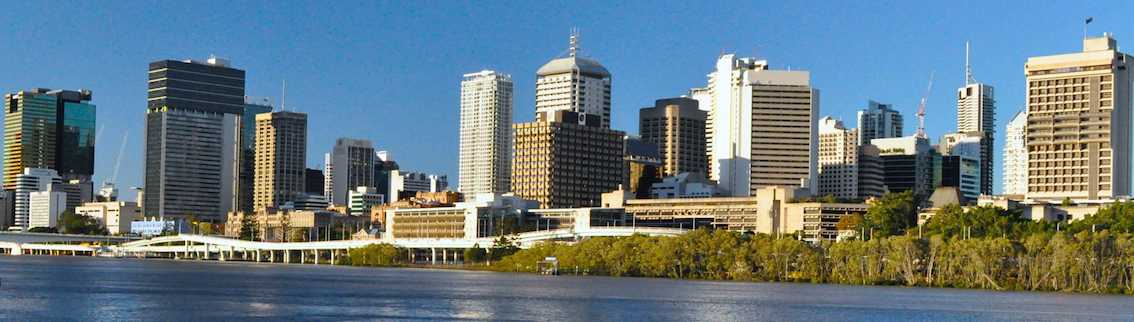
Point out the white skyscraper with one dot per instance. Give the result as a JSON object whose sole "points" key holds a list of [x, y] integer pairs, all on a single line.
{"points": [[762, 126], [1016, 156], [574, 84], [486, 133], [976, 116], [838, 159]]}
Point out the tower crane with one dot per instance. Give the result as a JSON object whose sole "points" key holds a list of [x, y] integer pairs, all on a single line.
{"points": [[921, 108], [108, 191]]}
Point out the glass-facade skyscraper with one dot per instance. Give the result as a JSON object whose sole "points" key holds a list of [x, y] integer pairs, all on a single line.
{"points": [[49, 130]]}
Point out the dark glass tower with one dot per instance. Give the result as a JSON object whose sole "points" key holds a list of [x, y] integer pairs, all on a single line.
{"points": [[49, 130], [193, 122]]}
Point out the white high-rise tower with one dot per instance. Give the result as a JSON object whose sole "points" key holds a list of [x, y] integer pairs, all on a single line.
{"points": [[575, 84], [976, 116], [762, 127], [486, 133], [1016, 156]]}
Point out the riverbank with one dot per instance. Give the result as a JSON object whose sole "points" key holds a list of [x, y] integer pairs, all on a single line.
{"points": [[1086, 262]]}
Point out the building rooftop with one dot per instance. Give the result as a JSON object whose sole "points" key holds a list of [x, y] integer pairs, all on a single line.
{"points": [[573, 62], [568, 64]]}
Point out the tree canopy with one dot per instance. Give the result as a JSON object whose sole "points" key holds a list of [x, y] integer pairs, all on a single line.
{"points": [[892, 214], [71, 223]]}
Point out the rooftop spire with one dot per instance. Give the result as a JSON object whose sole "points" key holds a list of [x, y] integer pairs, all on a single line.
{"points": [[574, 42], [968, 70]]}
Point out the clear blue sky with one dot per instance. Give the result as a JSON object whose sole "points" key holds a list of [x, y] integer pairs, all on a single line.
{"points": [[390, 72]]}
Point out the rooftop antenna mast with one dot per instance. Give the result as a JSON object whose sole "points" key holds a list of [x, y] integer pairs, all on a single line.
{"points": [[969, 80], [283, 103], [921, 108], [574, 41]]}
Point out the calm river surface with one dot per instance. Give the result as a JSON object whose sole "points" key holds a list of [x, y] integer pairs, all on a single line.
{"points": [[43, 288]]}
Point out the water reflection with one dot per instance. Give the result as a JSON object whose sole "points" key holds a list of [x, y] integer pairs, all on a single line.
{"points": [[93, 289]]}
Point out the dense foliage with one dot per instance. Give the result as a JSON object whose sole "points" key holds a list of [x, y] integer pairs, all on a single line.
{"points": [[71, 223], [384, 255], [982, 247]]}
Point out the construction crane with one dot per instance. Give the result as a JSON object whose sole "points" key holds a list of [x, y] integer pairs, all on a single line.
{"points": [[108, 191], [921, 108]]}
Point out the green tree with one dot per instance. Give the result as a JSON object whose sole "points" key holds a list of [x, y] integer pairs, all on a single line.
{"points": [[476, 254], [384, 255], [979, 221], [71, 223], [501, 247], [849, 222], [892, 214], [248, 226], [1119, 217], [43, 230]]}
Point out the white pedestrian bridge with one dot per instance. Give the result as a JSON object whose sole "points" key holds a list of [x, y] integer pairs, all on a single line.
{"points": [[316, 252]]}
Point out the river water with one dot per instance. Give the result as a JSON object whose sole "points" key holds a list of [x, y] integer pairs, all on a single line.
{"points": [[44, 288]]}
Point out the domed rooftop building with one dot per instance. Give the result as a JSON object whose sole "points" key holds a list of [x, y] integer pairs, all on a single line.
{"points": [[573, 82]]}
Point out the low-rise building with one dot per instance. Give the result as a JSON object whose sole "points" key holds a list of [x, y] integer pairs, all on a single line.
{"points": [[362, 198], [1072, 209], [472, 219], [687, 185], [575, 218], [115, 216], [296, 225], [770, 211]]}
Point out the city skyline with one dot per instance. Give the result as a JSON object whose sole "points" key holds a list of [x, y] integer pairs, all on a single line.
{"points": [[256, 38]]}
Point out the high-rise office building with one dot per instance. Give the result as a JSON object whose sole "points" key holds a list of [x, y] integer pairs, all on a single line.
{"points": [[281, 156], [677, 127], [193, 138], [44, 207], [1016, 156], [838, 159], [313, 182], [908, 164], [574, 83], [49, 130], [246, 184], [963, 172], [762, 126], [871, 172], [349, 165], [976, 116], [878, 121], [1079, 123], [386, 174], [406, 185], [486, 133], [566, 164]]}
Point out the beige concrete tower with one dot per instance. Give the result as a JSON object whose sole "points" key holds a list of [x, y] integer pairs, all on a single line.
{"points": [[566, 164], [1078, 123], [281, 156], [677, 126], [762, 126], [838, 159]]}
